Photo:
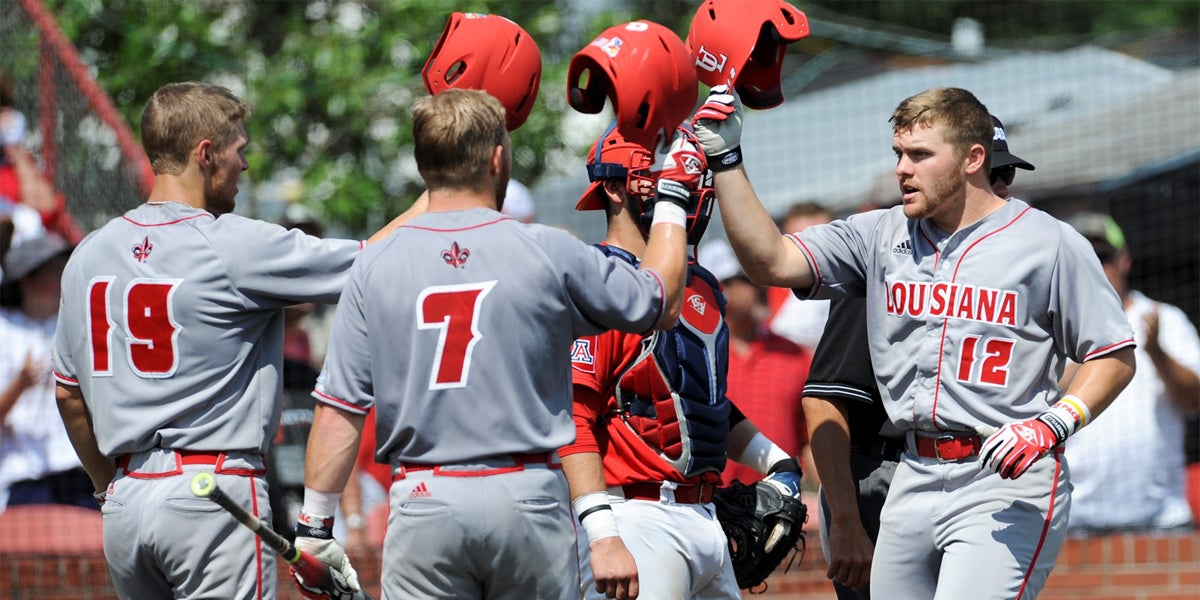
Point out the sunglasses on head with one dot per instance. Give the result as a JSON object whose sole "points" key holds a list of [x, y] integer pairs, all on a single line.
{"points": [[1005, 174]]}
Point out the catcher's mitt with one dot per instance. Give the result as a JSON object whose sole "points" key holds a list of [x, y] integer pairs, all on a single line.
{"points": [[750, 514]]}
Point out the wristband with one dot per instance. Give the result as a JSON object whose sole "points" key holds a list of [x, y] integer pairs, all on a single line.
{"points": [[761, 454], [726, 161], [600, 522], [669, 212], [314, 526], [1077, 408], [789, 464], [1066, 417], [320, 503], [100, 496], [356, 522]]}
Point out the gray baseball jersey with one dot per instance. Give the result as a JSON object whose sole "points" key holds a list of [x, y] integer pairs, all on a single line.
{"points": [[171, 324], [970, 328], [458, 329]]}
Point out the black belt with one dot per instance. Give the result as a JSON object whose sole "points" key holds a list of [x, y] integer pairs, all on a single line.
{"points": [[885, 448]]}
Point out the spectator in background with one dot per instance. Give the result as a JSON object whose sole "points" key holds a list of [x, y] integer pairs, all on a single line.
{"points": [[26, 196], [1128, 467], [37, 463], [800, 321], [766, 372]]}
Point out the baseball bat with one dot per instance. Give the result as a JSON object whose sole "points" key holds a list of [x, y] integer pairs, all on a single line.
{"points": [[315, 573]]}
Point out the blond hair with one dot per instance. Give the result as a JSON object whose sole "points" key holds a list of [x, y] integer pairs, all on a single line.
{"points": [[965, 120], [454, 136], [180, 115]]}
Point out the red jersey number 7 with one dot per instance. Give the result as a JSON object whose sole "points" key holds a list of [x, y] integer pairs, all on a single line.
{"points": [[454, 310]]}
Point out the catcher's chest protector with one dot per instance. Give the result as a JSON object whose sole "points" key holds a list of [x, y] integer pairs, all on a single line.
{"points": [[673, 394]]}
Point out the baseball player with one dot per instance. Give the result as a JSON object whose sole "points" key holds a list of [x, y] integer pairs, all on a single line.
{"points": [[973, 304], [653, 423], [457, 330], [168, 353], [855, 448]]}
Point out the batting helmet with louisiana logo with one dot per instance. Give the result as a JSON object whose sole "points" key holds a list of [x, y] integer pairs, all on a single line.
{"points": [[646, 70], [742, 42], [489, 53]]}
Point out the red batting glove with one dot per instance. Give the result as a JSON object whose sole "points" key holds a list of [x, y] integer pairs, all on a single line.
{"points": [[1014, 447], [680, 168]]}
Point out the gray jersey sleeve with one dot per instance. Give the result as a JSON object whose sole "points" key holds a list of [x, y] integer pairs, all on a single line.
{"points": [[1087, 316], [838, 254], [283, 265], [603, 290]]}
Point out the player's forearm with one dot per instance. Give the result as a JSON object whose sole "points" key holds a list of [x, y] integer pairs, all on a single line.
{"points": [[78, 422], [1100, 380], [766, 257], [829, 438], [584, 472], [332, 448], [748, 446], [417, 209], [1181, 383], [666, 254]]}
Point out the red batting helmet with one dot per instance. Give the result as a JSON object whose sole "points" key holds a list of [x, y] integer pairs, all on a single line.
{"points": [[646, 70], [743, 42], [489, 53], [613, 157]]}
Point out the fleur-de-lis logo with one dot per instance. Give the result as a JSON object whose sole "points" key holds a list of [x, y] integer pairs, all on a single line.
{"points": [[456, 257], [141, 251]]}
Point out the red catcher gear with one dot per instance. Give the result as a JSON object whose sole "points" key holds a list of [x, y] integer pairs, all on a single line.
{"points": [[612, 157], [646, 70], [743, 43], [489, 53]]}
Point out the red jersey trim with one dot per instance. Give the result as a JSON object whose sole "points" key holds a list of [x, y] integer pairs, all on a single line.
{"points": [[1109, 349], [175, 222], [937, 384], [63, 379], [258, 553], [468, 228], [338, 403], [812, 263], [1046, 524]]}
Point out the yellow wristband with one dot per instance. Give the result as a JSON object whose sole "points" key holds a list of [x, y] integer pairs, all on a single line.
{"points": [[1077, 408]]}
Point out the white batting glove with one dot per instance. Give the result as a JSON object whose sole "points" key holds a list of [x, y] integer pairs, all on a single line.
{"points": [[718, 126], [314, 536], [331, 553]]}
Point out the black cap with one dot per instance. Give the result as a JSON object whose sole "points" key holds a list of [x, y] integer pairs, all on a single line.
{"points": [[1001, 157]]}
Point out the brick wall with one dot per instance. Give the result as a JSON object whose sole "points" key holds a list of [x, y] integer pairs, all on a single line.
{"points": [[1120, 567]]}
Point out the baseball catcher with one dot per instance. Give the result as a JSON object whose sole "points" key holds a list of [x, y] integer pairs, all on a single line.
{"points": [[764, 522]]}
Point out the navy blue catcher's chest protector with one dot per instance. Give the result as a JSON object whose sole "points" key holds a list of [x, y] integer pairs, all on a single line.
{"points": [[673, 394]]}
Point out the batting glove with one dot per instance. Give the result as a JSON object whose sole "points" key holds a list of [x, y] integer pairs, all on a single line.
{"points": [[718, 126], [314, 536], [1011, 450], [680, 169], [787, 483]]}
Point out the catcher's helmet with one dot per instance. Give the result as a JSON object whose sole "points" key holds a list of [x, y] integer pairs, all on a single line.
{"points": [[645, 69], [613, 157], [489, 53], [743, 43]]}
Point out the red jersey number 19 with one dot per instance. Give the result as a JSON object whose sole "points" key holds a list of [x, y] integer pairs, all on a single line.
{"points": [[147, 317]]}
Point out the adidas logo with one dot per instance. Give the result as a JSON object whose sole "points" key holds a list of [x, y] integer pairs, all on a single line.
{"points": [[421, 491], [904, 247]]}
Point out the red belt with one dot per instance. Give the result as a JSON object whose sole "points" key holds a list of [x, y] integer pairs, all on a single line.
{"points": [[520, 460], [948, 448], [685, 493], [188, 457]]}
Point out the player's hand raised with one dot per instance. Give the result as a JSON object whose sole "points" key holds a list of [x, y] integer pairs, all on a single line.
{"points": [[679, 168], [718, 126]]}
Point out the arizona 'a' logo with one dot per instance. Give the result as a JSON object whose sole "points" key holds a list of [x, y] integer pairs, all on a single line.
{"points": [[456, 257], [141, 251]]}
